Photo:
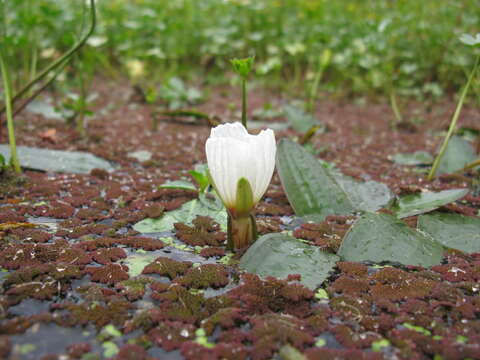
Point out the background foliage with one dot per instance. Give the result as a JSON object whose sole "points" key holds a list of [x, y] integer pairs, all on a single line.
{"points": [[408, 45]]}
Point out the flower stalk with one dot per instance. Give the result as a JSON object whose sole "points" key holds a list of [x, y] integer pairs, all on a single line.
{"points": [[243, 67], [241, 232]]}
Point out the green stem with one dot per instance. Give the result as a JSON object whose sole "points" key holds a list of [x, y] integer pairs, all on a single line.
{"points": [[39, 90], [453, 122], [395, 108], [314, 88], [8, 106], [59, 61], [244, 103], [82, 100]]}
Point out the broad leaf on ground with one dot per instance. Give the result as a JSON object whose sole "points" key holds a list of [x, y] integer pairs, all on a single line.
{"points": [[415, 204], [416, 158], [178, 184], [382, 237], [316, 191], [452, 230], [458, 154], [76, 162], [280, 255], [300, 120], [366, 196], [310, 188]]}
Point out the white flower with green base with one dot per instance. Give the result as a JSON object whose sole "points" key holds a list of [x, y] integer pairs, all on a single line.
{"points": [[241, 167]]}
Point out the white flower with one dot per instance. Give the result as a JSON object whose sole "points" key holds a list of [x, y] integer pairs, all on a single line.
{"points": [[232, 154]]}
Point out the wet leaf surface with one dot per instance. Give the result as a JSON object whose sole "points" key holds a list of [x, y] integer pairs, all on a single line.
{"points": [[416, 158], [452, 230], [317, 191], [382, 237], [76, 162], [298, 119], [427, 201], [459, 153], [280, 255]]}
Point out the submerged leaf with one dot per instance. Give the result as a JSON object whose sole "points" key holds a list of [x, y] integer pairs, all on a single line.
{"points": [[185, 214]]}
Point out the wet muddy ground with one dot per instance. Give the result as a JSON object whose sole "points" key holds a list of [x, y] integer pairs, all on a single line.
{"points": [[78, 282]]}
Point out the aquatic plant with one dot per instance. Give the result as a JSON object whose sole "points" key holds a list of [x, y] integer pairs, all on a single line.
{"points": [[241, 167]]}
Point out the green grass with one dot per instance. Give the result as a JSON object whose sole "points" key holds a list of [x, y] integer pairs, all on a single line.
{"points": [[409, 47]]}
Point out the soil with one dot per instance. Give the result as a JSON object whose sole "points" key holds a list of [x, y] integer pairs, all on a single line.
{"points": [[67, 291]]}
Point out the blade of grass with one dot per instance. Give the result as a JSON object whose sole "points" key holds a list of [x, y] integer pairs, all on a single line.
{"points": [[8, 105]]}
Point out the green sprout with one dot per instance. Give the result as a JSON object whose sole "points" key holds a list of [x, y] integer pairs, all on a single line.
{"points": [[243, 67], [470, 41]]}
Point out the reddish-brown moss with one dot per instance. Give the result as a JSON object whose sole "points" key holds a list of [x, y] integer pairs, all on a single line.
{"points": [[260, 296], [76, 351], [348, 285], [227, 318], [169, 335], [31, 235], [203, 232], [167, 267], [344, 354], [204, 276], [108, 255], [115, 312], [271, 330], [212, 251], [109, 274], [145, 243], [133, 289], [132, 352], [396, 284]]}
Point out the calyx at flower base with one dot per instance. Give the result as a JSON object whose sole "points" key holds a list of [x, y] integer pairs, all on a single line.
{"points": [[242, 229]]}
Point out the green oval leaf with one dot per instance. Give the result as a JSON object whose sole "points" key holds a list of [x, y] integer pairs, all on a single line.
{"points": [[458, 154], [382, 237], [315, 191], [280, 255], [310, 188], [77, 162], [452, 230]]}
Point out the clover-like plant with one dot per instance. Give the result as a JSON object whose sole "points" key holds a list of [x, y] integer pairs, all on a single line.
{"points": [[240, 167], [243, 67]]}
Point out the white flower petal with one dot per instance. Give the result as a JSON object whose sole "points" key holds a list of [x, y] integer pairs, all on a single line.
{"points": [[232, 153]]}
